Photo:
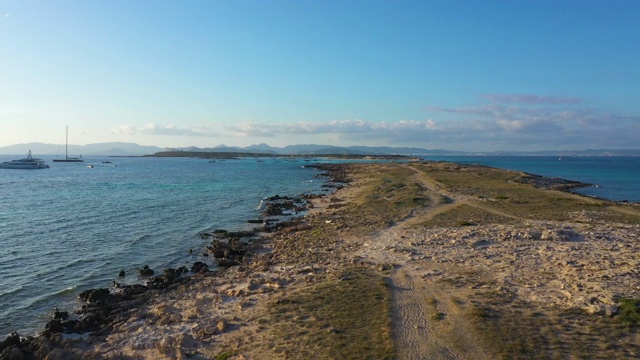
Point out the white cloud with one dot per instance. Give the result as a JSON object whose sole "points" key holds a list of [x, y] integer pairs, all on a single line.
{"points": [[531, 99], [169, 130], [533, 123], [123, 130], [525, 123], [251, 129], [162, 130]]}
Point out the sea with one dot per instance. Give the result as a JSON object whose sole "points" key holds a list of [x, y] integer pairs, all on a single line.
{"points": [[71, 227]]}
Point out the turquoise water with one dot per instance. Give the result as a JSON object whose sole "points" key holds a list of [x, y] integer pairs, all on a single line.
{"points": [[614, 178], [70, 228]]}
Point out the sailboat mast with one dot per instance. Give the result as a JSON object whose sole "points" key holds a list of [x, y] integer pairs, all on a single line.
{"points": [[66, 144]]}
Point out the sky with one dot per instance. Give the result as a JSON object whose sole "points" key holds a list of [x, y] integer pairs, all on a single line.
{"points": [[468, 75]]}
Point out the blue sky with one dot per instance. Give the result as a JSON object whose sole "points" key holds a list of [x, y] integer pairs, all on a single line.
{"points": [[459, 75]]}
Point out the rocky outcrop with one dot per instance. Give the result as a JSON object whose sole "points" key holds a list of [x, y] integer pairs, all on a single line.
{"points": [[551, 183]]}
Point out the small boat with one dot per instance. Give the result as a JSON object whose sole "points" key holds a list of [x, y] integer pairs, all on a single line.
{"points": [[90, 166], [29, 162], [66, 153], [106, 162]]}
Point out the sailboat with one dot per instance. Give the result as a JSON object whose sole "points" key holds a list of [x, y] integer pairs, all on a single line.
{"points": [[66, 153]]}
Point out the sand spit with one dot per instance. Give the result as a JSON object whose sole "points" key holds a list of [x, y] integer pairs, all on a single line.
{"points": [[581, 262]]}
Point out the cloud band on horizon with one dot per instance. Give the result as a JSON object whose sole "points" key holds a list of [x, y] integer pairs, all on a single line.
{"points": [[506, 121]]}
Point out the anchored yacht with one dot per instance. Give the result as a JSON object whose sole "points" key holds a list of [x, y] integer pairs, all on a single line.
{"points": [[29, 162]]}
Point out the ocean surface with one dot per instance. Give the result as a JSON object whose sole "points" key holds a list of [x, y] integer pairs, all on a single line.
{"points": [[613, 178], [70, 228]]}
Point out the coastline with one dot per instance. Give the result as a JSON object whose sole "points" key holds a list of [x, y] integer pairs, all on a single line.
{"points": [[209, 314], [100, 309]]}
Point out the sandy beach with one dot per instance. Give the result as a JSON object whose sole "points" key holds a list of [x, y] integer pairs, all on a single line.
{"points": [[471, 263]]}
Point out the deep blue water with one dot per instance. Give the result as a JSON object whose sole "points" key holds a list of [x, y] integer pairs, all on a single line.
{"points": [[70, 228], [614, 178]]}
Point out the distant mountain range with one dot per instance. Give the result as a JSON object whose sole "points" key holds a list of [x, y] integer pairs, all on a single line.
{"points": [[101, 149], [131, 149]]}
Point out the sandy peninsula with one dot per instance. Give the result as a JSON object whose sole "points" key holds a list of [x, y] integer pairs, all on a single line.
{"points": [[420, 260]]}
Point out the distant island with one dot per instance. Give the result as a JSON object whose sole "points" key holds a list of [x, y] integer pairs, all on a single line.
{"points": [[235, 155], [132, 149]]}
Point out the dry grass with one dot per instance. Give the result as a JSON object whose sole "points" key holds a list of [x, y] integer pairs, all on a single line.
{"points": [[346, 318], [499, 191], [466, 215], [390, 194], [514, 329]]}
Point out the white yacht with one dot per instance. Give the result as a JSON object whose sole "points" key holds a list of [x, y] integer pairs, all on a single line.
{"points": [[25, 163]]}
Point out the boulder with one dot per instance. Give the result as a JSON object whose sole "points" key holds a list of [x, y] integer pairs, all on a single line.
{"points": [[11, 340], [146, 271], [60, 315], [199, 267], [94, 295]]}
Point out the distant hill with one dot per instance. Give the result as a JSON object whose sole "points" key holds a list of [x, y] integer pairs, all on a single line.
{"points": [[101, 149], [132, 149], [313, 149]]}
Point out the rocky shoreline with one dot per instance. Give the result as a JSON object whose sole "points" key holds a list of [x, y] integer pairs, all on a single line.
{"points": [[103, 309]]}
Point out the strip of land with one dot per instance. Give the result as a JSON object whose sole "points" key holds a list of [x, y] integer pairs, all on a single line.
{"points": [[421, 260]]}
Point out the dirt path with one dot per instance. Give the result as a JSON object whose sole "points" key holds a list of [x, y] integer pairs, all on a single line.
{"points": [[418, 306], [428, 323], [452, 202], [413, 328]]}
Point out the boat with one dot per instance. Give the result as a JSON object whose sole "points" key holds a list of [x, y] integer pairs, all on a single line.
{"points": [[29, 162], [66, 153]]}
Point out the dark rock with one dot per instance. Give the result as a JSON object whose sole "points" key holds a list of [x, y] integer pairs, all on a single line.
{"points": [[69, 325], [60, 315], [227, 263], [171, 273], [218, 253], [121, 273], [12, 340], [199, 267], [54, 326], [94, 295], [89, 322], [146, 271], [12, 353]]}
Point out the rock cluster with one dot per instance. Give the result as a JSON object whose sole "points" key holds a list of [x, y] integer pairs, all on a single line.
{"points": [[551, 183]]}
